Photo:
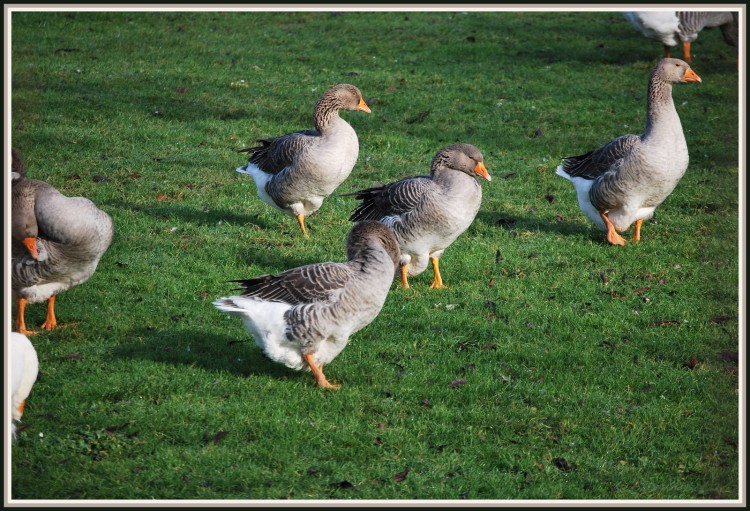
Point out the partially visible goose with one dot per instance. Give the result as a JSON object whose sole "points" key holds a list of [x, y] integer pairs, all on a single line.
{"points": [[57, 242], [692, 22], [24, 369], [428, 213], [303, 317], [659, 25], [295, 172], [671, 27], [624, 180]]}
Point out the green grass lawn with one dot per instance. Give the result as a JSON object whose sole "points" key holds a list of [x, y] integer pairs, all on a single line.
{"points": [[554, 366]]}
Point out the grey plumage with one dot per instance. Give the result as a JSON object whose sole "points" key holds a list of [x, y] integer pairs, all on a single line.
{"points": [[57, 241], [673, 27], [624, 180], [428, 213], [303, 317], [295, 172], [692, 22]]}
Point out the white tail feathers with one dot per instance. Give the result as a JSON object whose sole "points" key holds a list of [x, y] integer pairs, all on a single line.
{"points": [[560, 171], [24, 370]]}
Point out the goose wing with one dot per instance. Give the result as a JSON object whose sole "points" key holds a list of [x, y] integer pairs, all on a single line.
{"points": [[306, 284], [277, 153], [390, 199], [595, 163]]}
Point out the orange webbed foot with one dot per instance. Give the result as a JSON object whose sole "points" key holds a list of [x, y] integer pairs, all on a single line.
{"points": [[612, 235], [320, 378]]}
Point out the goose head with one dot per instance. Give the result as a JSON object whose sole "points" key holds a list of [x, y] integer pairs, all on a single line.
{"points": [[462, 157], [342, 96], [674, 71]]}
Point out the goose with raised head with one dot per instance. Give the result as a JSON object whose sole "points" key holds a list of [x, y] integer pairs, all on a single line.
{"points": [[57, 242], [428, 213], [303, 317], [294, 173], [624, 180]]}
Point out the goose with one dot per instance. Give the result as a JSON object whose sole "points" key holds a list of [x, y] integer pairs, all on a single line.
{"points": [[624, 180], [303, 317], [673, 27], [57, 242], [428, 213], [24, 369], [659, 25], [692, 22], [295, 172]]}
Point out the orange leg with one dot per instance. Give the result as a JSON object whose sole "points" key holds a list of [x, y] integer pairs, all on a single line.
{"points": [[21, 407], [317, 372], [51, 321], [437, 282], [638, 224], [301, 221], [667, 51], [686, 51], [20, 321], [612, 235], [405, 275]]}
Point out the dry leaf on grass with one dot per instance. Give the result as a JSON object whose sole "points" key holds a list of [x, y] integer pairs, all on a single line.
{"points": [[401, 475]]}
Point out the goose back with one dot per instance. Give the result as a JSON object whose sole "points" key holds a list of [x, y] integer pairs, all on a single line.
{"points": [[72, 235]]}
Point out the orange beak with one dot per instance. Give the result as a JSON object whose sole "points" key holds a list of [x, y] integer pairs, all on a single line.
{"points": [[30, 244], [481, 171], [690, 76], [362, 106]]}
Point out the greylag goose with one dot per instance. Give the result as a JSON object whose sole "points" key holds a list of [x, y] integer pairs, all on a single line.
{"points": [[57, 242], [24, 369], [624, 180], [692, 22], [303, 317], [659, 25], [428, 213], [671, 27], [295, 172]]}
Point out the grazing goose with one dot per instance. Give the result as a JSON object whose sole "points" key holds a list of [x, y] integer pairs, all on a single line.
{"points": [[624, 180], [57, 242], [24, 369], [295, 172], [671, 27], [428, 213], [303, 317]]}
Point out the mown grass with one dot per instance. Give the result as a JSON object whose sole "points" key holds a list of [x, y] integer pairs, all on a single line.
{"points": [[553, 367]]}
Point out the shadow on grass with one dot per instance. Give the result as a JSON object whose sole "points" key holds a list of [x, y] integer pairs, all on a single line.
{"points": [[207, 350], [193, 215], [567, 227]]}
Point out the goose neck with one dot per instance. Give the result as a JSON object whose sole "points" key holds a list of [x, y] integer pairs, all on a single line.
{"points": [[660, 109]]}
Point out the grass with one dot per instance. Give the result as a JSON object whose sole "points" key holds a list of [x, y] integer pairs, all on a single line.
{"points": [[553, 366]]}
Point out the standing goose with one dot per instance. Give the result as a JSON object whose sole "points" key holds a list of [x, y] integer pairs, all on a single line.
{"points": [[295, 172], [303, 317], [428, 213], [692, 22], [57, 242], [659, 25], [624, 180], [24, 369], [671, 27]]}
